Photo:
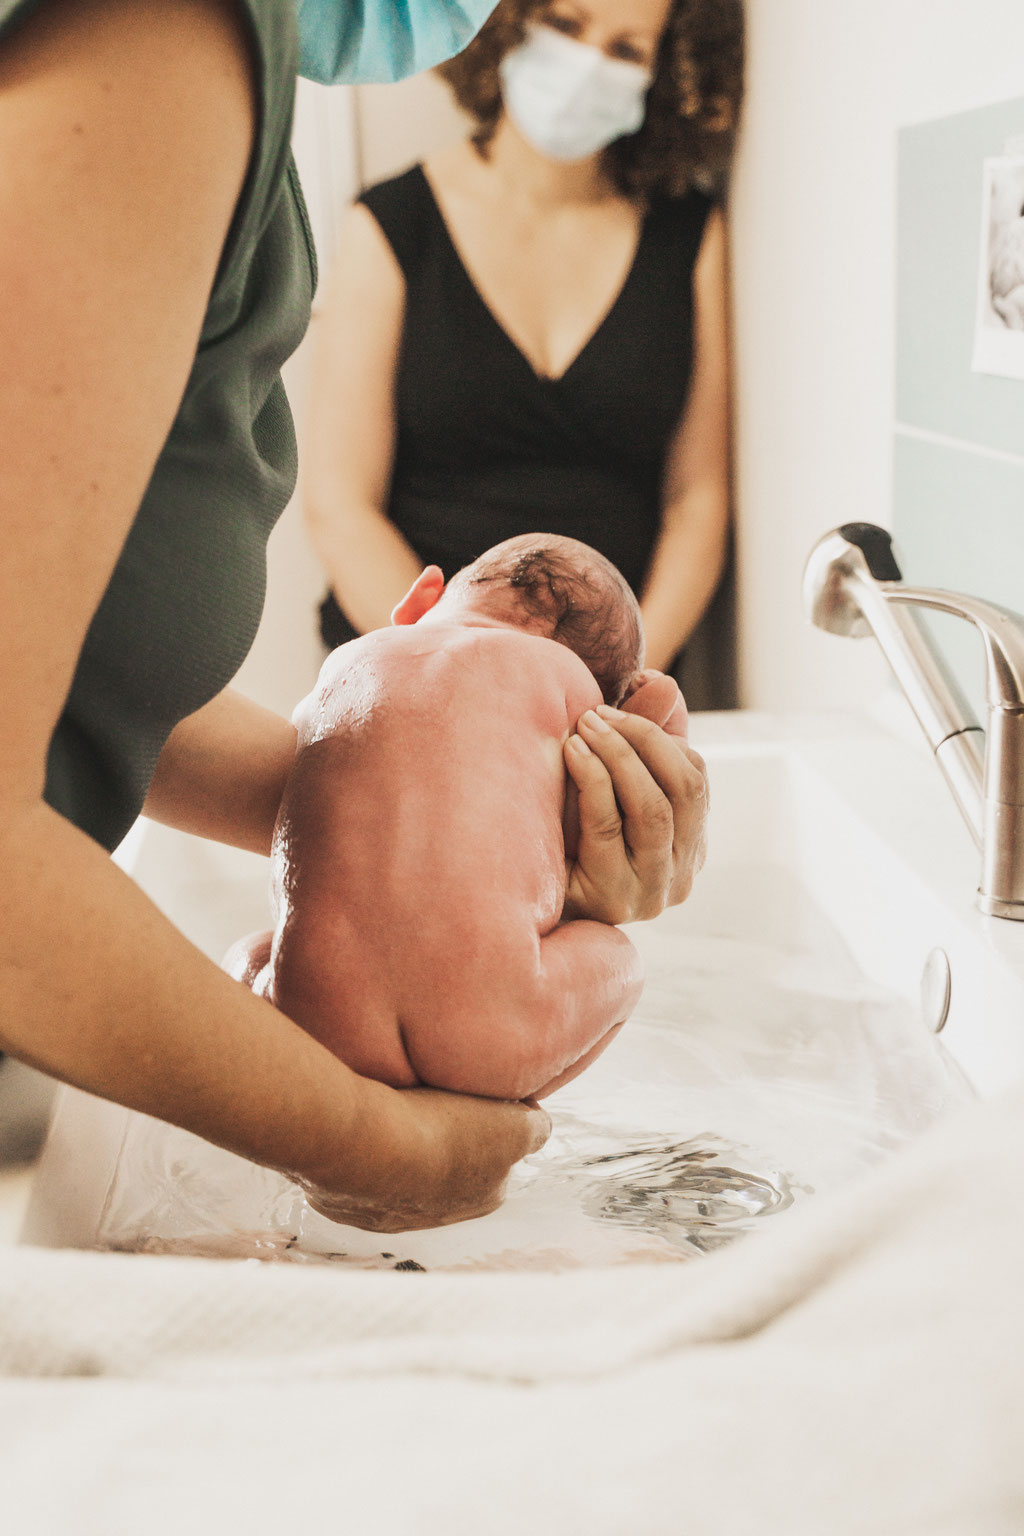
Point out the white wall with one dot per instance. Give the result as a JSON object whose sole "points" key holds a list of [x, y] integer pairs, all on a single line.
{"points": [[813, 213], [286, 655], [343, 139], [400, 124]]}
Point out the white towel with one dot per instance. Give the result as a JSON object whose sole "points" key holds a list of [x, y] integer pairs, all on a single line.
{"points": [[854, 1367]]}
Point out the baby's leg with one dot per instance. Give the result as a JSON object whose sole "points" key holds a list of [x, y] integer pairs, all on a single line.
{"points": [[248, 961], [578, 1066], [524, 1013], [594, 978]]}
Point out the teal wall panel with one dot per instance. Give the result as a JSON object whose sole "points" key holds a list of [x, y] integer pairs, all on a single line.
{"points": [[958, 460], [960, 524], [939, 222]]}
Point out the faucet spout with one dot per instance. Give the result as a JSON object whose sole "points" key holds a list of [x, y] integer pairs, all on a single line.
{"points": [[853, 586], [1001, 629]]}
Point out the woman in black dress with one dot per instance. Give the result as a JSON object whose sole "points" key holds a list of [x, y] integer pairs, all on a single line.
{"points": [[528, 331]]}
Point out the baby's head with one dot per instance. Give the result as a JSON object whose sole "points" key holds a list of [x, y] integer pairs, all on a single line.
{"points": [[565, 591]]}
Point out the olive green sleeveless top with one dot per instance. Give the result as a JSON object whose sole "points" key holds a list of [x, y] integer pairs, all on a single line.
{"points": [[184, 602]]}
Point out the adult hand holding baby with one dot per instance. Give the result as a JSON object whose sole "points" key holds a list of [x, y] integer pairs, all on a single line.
{"points": [[642, 807], [423, 1158]]}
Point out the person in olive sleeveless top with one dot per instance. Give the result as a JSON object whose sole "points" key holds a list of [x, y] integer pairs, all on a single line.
{"points": [[156, 269], [526, 333]]}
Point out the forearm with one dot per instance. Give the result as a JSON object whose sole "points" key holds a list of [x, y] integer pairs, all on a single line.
{"points": [[102, 992], [685, 570], [222, 772], [369, 564]]}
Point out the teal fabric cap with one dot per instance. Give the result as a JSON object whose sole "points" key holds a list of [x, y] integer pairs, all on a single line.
{"points": [[356, 41]]}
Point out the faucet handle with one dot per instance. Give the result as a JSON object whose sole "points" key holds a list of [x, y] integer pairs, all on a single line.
{"points": [[875, 544]]}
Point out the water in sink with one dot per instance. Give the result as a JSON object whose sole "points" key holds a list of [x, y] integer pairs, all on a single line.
{"points": [[761, 1067]]}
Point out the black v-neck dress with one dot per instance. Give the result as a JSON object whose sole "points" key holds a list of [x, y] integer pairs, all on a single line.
{"points": [[485, 448]]}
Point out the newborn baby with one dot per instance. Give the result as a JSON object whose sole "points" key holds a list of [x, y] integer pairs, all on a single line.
{"points": [[419, 858]]}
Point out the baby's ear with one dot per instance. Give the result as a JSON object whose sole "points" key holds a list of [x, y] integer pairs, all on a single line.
{"points": [[636, 681], [421, 596]]}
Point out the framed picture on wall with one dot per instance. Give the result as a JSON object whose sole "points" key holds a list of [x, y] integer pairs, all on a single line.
{"points": [[999, 322]]}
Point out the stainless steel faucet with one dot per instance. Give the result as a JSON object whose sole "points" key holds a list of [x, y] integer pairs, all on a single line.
{"points": [[853, 586]]}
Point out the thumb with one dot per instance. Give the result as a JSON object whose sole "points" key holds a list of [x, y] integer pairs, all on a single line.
{"points": [[538, 1126], [657, 698]]}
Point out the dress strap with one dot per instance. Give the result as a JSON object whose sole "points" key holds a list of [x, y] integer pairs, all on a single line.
{"points": [[681, 221], [404, 208]]}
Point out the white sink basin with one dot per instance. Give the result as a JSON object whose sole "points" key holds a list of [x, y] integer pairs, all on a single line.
{"points": [[778, 1049]]}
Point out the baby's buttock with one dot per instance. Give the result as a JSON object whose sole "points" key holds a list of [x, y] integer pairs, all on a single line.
{"points": [[397, 988], [341, 992]]}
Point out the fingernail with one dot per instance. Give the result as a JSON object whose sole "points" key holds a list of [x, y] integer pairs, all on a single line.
{"points": [[611, 714], [579, 745], [593, 719]]}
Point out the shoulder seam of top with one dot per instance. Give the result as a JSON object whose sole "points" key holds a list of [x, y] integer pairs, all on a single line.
{"points": [[275, 66]]}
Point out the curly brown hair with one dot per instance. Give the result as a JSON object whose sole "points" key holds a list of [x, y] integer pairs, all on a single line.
{"points": [[693, 104], [581, 599]]}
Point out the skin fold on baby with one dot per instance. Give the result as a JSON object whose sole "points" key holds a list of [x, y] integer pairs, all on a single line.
{"points": [[418, 870]]}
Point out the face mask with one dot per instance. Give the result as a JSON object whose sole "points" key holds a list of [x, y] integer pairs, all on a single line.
{"points": [[357, 41], [567, 99]]}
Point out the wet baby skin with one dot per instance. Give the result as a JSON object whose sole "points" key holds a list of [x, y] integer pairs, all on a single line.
{"points": [[418, 868]]}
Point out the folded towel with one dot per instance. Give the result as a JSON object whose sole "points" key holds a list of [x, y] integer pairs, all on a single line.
{"points": [[853, 1367]]}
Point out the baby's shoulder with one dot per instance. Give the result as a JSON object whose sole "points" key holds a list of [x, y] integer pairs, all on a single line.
{"points": [[349, 676], [422, 668], [544, 669]]}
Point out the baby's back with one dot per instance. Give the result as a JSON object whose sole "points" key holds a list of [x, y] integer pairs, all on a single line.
{"points": [[419, 850]]}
